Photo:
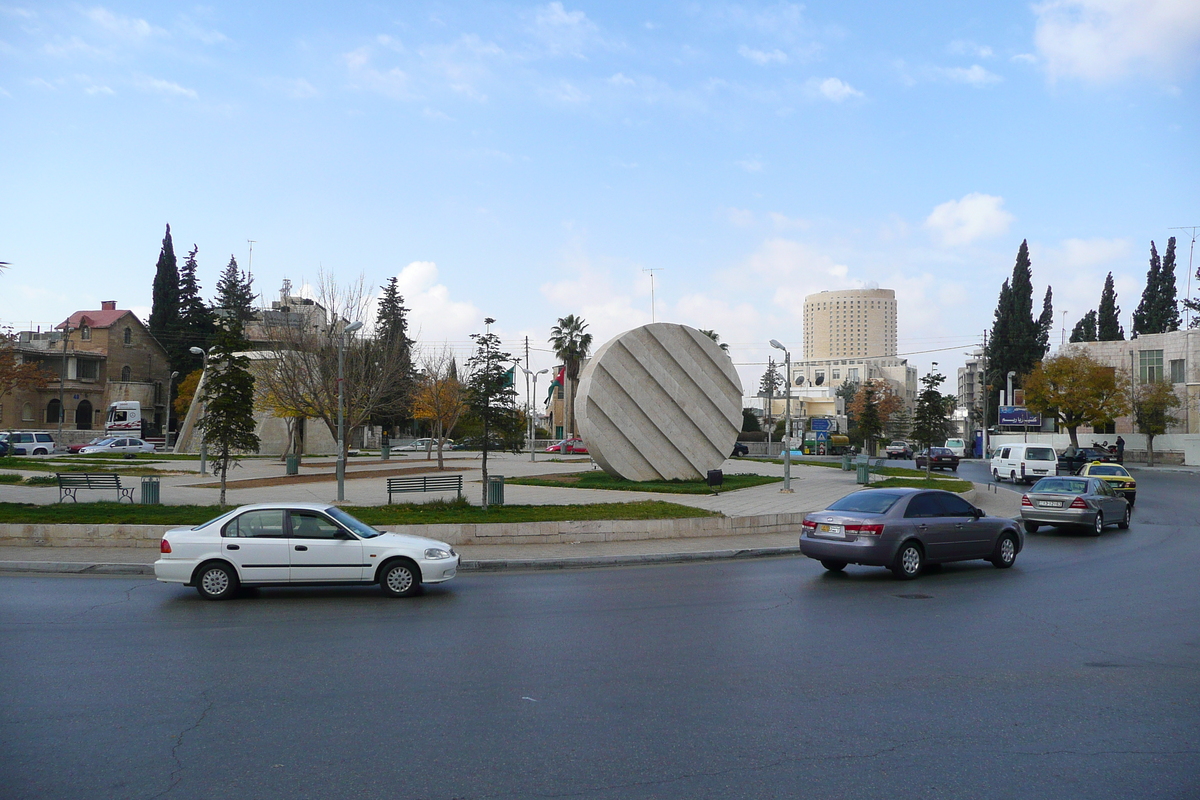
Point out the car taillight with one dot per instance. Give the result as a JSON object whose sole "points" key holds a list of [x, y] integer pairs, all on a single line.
{"points": [[1078, 503], [1025, 501], [871, 530], [164, 547], [808, 523]]}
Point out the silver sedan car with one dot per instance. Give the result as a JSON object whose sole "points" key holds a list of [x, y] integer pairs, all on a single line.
{"points": [[1079, 501], [904, 529]]}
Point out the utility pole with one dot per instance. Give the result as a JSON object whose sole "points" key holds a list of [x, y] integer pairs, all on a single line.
{"points": [[250, 260], [1193, 229], [652, 271], [62, 384]]}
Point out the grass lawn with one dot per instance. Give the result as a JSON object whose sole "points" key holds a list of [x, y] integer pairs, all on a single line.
{"points": [[602, 480], [949, 484], [108, 513], [82, 464]]}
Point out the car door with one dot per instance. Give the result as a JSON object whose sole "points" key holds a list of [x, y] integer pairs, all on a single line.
{"points": [[256, 543], [321, 550], [1112, 503], [924, 513], [966, 535]]}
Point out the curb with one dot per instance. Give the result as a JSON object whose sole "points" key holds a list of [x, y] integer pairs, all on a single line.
{"points": [[472, 565]]}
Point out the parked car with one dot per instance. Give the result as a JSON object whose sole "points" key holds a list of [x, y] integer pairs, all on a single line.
{"points": [[75, 448], [1076, 501], [1023, 462], [425, 444], [938, 458], [739, 449], [575, 446], [1116, 476], [904, 529], [127, 447], [898, 449], [29, 443], [1073, 459], [298, 543], [957, 446]]}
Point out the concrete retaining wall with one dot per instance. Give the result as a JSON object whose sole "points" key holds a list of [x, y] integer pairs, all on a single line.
{"points": [[493, 533]]}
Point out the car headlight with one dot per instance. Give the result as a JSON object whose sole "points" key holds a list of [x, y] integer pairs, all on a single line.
{"points": [[437, 552]]}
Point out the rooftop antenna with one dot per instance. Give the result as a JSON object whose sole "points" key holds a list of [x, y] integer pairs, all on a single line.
{"points": [[652, 271], [1193, 229], [250, 260]]}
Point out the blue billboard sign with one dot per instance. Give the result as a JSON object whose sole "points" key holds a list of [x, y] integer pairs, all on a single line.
{"points": [[821, 424], [1020, 416]]}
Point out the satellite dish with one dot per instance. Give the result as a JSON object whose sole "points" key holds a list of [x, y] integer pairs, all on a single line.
{"points": [[820, 379], [799, 380]]}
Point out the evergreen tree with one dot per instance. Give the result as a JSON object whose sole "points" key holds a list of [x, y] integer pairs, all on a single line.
{"points": [[1085, 329], [491, 397], [391, 326], [1168, 303], [164, 309], [1108, 322], [228, 423], [1045, 322], [1144, 316], [1013, 344], [930, 424]]}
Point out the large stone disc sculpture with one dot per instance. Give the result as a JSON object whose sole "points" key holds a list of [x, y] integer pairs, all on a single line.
{"points": [[662, 401]]}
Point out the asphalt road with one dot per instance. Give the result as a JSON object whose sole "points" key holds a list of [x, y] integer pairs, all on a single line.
{"points": [[1076, 674]]}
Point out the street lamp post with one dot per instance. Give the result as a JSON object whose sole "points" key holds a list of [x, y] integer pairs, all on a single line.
{"points": [[170, 392], [787, 450], [204, 411], [341, 456], [62, 385], [532, 424]]}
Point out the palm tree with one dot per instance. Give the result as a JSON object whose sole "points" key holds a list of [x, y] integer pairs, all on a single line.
{"points": [[713, 335], [571, 346]]}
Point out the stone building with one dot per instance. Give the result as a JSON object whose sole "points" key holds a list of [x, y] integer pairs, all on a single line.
{"points": [[105, 356]]}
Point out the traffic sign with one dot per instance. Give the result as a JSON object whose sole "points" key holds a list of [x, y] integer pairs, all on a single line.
{"points": [[821, 436], [820, 424]]}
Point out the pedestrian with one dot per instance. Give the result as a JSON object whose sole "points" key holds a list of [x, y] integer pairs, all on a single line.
{"points": [[1120, 450]]}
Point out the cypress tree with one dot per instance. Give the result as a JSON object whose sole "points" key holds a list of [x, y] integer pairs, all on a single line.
{"points": [[1014, 342], [1085, 329], [391, 322], [1045, 323], [1144, 315], [235, 294], [1108, 321], [1168, 303], [164, 308]]}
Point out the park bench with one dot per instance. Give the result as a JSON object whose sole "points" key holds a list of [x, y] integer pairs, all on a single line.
{"points": [[877, 466], [425, 483], [71, 482]]}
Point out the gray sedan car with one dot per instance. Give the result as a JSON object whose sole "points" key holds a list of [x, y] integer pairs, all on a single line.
{"points": [[904, 529], [1080, 501]]}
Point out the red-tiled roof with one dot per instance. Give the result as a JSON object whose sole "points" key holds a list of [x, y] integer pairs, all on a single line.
{"points": [[94, 319]]}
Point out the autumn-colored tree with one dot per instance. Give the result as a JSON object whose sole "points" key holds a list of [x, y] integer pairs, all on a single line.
{"points": [[16, 374], [440, 397], [186, 391], [1153, 411], [1075, 389], [873, 405]]}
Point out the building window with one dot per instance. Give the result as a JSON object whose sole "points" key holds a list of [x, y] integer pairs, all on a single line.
{"points": [[27, 413], [126, 374], [1109, 427], [1177, 370], [1150, 366], [53, 412], [129, 336], [85, 333], [837, 374], [88, 370]]}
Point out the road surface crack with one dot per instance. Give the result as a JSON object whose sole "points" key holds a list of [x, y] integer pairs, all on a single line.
{"points": [[176, 774]]}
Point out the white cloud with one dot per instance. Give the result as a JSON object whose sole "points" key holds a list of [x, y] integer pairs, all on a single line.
{"points": [[65, 48], [566, 92], [1024, 58], [975, 216], [161, 86], [974, 75], [608, 308], [1103, 40], [740, 217], [619, 79], [783, 222], [394, 83], [434, 317], [750, 165], [961, 47], [124, 27], [763, 57], [563, 32], [831, 89]]}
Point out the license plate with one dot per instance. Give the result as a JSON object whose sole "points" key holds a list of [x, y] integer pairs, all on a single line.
{"points": [[1049, 504], [831, 530]]}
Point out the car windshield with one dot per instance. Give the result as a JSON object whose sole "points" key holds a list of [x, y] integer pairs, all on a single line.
{"points": [[104, 442], [358, 526], [214, 519], [1108, 469], [1040, 454], [871, 501], [1060, 486]]}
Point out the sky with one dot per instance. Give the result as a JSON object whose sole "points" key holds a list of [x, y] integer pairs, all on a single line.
{"points": [[525, 161]]}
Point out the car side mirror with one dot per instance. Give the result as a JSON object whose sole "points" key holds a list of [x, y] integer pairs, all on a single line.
{"points": [[976, 512]]}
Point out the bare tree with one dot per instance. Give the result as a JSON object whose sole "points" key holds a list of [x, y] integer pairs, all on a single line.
{"points": [[440, 396], [303, 380]]}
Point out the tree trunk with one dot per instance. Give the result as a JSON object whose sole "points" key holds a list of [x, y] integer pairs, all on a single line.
{"points": [[1149, 449], [1074, 436], [441, 440]]}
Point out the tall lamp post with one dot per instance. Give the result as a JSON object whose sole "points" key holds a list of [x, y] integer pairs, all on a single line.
{"points": [[170, 392], [62, 385], [196, 351], [787, 450], [341, 457], [532, 425]]}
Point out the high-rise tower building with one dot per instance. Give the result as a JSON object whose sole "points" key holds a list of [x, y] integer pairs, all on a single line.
{"points": [[856, 323]]}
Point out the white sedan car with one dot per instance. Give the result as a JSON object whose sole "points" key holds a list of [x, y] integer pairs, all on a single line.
{"points": [[424, 444], [298, 543], [126, 446]]}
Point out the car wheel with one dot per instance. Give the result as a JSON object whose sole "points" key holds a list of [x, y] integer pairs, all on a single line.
{"points": [[1031, 527], [909, 561], [1098, 528], [400, 579], [833, 566], [1124, 523], [1012, 477], [1006, 552], [996, 475], [39, 452], [954, 468], [216, 582]]}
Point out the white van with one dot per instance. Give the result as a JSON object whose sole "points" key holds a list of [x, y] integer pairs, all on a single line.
{"points": [[957, 446], [1024, 462]]}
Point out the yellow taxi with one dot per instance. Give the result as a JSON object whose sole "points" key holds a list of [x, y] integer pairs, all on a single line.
{"points": [[1116, 476]]}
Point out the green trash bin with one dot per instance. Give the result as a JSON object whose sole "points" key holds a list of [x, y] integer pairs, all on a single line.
{"points": [[293, 464], [845, 462], [495, 490], [864, 474], [150, 491], [385, 452]]}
